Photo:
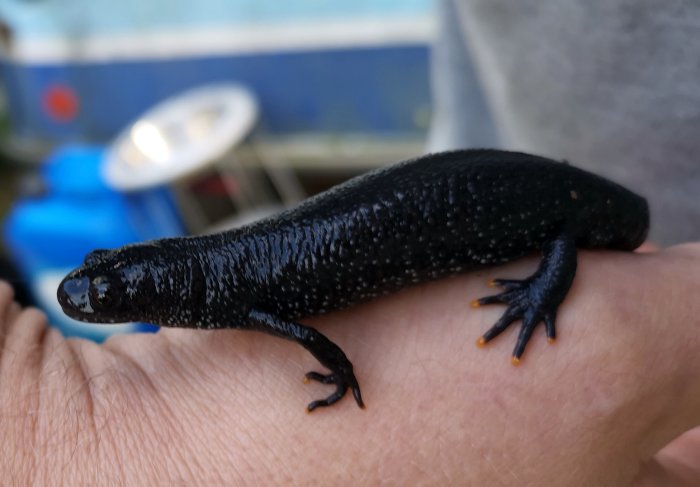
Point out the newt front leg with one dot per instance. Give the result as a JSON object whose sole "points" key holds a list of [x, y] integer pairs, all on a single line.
{"points": [[328, 353]]}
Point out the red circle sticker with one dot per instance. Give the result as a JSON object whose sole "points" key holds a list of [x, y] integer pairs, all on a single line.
{"points": [[60, 103]]}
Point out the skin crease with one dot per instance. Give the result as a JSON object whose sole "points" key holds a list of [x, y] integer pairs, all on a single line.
{"points": [[227, 407]]}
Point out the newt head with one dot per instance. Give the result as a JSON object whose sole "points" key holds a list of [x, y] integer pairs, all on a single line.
{"points": [[93, 292], [113, 286], [84, 299]]}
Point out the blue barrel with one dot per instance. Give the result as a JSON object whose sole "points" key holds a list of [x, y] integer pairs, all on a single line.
{"points": [[49, 234]]}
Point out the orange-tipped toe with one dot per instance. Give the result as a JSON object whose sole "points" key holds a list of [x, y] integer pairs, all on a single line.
{"points": [[475, 303], [480, 342], [491, 283], [551, 341], [515, 361], [305, 380]]}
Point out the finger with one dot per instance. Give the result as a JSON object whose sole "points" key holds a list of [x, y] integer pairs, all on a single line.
{"points": [[680, 458], [8, 309], [20, 356], [676, 464], [13, 311], [6, 296]]}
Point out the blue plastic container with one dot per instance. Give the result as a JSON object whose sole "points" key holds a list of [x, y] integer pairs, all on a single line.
{"points": [[49, 235]]}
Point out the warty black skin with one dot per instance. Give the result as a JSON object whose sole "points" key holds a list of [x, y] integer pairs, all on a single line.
{"points": [[401, 225]]}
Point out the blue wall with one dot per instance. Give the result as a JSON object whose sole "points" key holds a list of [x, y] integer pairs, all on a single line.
{"points": [[379, 90]]}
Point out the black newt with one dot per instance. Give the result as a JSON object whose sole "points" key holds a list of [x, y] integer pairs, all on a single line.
{"points": [[408, 223]]}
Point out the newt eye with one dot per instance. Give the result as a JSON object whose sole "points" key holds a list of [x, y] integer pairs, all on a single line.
{"points": [[103, 293]]}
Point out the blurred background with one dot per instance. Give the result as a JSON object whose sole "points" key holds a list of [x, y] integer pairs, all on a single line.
{"points": [[121, 122]]}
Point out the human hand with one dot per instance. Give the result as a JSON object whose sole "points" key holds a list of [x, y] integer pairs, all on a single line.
{"points": [[227, 407]]}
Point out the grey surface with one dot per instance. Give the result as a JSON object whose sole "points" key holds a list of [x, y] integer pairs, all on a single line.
{"points": [[610, 85]]}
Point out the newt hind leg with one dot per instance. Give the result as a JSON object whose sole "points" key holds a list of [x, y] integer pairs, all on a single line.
{"points": [[535, 299]]}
